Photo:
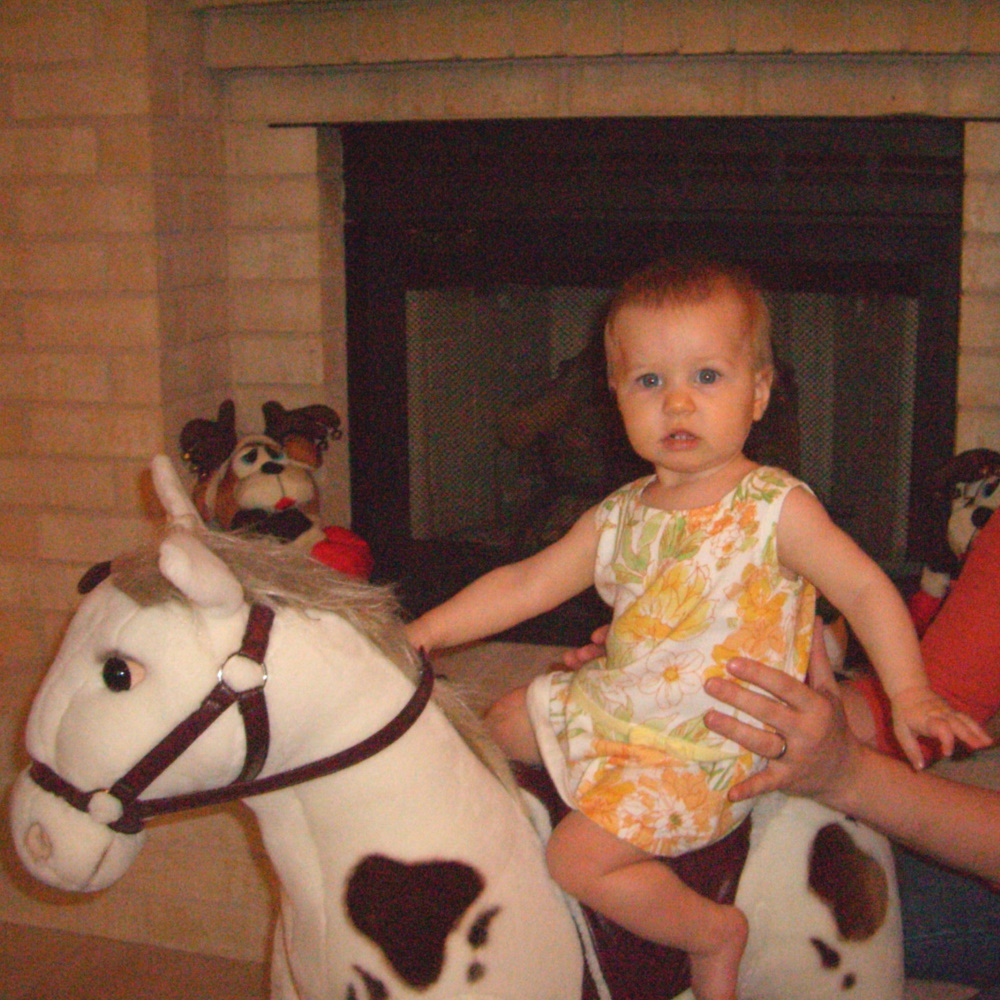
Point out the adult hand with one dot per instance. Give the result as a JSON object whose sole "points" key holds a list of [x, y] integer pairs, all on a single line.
{"points": [[576, 658], [805, 736]]}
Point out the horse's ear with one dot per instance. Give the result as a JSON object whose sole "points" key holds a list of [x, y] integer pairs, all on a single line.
{"points": [[200, 575], [181, 511]]}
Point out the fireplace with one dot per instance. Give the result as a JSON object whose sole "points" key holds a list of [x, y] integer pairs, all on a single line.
{"points": [[479, 257]]}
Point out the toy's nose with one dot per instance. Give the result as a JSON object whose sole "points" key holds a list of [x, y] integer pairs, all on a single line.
{"points": [[272, 468]]}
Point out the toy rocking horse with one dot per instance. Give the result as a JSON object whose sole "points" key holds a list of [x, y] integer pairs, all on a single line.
{"points": [[215, 668]]}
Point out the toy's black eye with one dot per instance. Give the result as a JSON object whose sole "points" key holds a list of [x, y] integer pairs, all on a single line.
{"points": [[990, 488], [122, 675], [273, 453], [249, 457]]}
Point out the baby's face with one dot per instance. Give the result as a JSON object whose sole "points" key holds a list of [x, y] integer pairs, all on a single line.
{"points": [[686, 382]]}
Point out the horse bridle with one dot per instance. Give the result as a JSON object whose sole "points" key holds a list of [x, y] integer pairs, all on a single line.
{"points": [[121, 809]]}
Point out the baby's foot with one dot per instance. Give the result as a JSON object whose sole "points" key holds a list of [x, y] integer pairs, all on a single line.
{"points": [[714, 971]]}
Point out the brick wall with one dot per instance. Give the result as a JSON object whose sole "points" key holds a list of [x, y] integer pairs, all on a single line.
{"points": [[163, 246]]}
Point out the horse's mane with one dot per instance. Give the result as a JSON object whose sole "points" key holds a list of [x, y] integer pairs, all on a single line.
{"points": [[280, 576]]}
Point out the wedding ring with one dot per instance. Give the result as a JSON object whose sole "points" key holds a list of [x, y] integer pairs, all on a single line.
{"points": [[784, 749]]}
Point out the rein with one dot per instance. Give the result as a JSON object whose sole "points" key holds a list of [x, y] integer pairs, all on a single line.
{"points": [[121, 809]]}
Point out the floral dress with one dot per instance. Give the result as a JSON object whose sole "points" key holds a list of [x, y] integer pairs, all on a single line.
{"points": [[624, 738]]}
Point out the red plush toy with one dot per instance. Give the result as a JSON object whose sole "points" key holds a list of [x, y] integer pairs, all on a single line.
{"points": [[264, 484], [966, 490]]}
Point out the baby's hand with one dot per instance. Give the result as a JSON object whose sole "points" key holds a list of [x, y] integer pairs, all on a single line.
{"points": [[918, 711]]}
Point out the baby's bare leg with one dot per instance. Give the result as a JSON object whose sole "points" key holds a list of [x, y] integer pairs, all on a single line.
{"points": [[646, 897], [508, 723]]}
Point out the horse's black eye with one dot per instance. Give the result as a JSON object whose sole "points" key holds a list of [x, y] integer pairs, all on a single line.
{"points": [[116, 674]]}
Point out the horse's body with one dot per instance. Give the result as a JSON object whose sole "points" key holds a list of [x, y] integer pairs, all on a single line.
{"points": [[413, 873]]}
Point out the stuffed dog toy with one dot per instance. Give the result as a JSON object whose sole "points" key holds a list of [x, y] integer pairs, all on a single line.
{"points": [[966, 491], [265, 485]]}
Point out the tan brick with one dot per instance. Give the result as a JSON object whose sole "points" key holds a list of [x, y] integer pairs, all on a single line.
{"points": [[977, 428], [981, 264], [981, 204], [276, 307], [538, 29], [49, 33], [125, 147], [278, 360], [978, 378], [95, 432], [50, 266], [969, 88], [704, 87], [64, 209], [190, 203], [88, 90], [817, 26], [111, 321], [982, 147], [482, 29], [594, 27], [19, 532], [875, 27], [79, 538], [258, 150], [123, 31], [196, 369], [48, 150], [273, 203], [193, 313], [649, 26], [427, 30], [266, 256], [377, 38], [937, 26], [71, 483], [257, 38], [187, 148], [14, 427], [132, 264], [984, 26], [979, 326], [135, 379], [23, 642], [869, 87], [763, 26], [54, 377], [191, 258], [704, 26]]}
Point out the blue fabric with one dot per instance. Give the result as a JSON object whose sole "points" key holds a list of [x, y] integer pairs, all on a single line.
{"points": [[951, 925]]}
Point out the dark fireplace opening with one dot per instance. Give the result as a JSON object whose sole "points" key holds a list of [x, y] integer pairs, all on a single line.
{"points": [[480, 257]]}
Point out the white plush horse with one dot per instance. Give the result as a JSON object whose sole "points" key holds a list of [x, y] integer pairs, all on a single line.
{"points": [[408, 868]]}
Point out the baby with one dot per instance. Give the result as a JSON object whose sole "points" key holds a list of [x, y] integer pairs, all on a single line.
{"points": [[710, 557]]}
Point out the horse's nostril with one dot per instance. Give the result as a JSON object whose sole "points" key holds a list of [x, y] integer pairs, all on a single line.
{"points": [[37, 841]]}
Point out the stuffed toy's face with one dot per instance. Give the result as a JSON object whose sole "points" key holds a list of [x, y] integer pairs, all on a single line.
{"points": [[259, 476], [971, 507]]}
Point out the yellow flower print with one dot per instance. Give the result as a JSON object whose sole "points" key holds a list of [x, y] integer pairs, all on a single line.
{"points": [[673, 607]]}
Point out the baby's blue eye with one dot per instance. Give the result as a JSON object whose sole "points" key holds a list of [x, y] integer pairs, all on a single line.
{"points": [[707, 376], [649, 380]]}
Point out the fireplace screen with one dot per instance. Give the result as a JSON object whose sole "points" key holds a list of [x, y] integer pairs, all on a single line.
{"points": [[479, 259], [512, 434]]}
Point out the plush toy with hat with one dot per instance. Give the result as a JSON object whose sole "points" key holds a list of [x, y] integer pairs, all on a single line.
{"points": [[967, 491], [264, 484]]}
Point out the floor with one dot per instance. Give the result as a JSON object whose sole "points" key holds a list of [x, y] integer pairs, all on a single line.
{"points": [[55, 965]]}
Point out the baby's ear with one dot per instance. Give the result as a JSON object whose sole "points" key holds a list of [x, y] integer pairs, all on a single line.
{"points": [[763, 380]]}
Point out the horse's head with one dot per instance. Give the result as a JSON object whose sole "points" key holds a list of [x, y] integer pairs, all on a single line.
{"points": [[130, 671]]}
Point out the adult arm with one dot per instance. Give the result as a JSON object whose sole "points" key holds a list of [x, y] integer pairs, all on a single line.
{"points": [[957, 824], [961, 647]]}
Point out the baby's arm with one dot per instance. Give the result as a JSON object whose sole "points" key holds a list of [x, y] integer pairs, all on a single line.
{"points": [[810, 544], [513, 593]]}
